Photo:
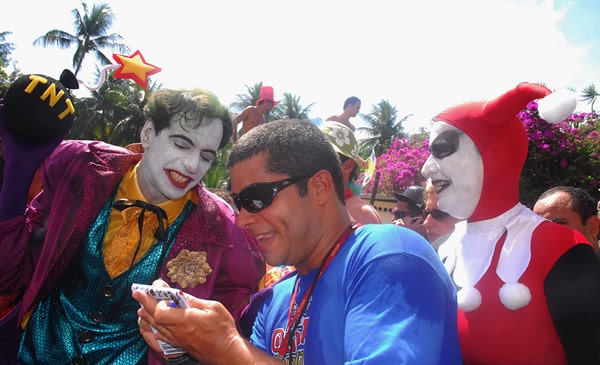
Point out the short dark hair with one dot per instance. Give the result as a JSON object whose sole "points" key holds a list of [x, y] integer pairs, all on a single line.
{"points": [[582, 202], [266, 101], [351, 100], [292, 147], [195, 106]]}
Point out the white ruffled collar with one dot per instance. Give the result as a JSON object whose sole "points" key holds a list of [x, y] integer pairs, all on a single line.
{"points": [[468, 252]]}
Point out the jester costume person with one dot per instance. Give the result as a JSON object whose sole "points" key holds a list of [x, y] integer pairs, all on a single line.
{"points": [[528, 289]]}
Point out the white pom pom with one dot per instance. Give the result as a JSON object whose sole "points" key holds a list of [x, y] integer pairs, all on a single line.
{"points": [[468, 299], [514, 295], [557, 106]]}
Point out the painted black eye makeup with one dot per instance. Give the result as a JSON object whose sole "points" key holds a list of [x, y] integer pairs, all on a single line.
{"points": [[445, 144]]}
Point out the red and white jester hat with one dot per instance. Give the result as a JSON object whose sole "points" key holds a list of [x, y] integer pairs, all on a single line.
{"points": [[499, 134]]}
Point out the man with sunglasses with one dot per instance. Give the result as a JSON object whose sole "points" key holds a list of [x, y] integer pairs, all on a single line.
{"points": [[344, 143], [408, 211], [369, 294], [108, 217], [438, 224]]}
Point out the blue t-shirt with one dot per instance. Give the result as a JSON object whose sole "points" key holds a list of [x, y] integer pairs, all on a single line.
{"points": [[384, 299]]}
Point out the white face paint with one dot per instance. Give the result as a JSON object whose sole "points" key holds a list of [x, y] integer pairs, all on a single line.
{"points": [[455, 168], [176, 159]]}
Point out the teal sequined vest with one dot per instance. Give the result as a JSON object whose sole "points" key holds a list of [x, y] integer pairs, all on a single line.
{"points": [[89, 315]]}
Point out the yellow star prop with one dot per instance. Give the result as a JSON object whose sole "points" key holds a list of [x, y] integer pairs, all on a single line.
{"points": [[134, 67]]}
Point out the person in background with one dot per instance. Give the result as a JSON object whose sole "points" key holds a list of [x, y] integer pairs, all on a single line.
{"points": [[573, 207], [350, 110], [108, 217], [344, 143], [225, 195], [370, 294], [438, 224], [409, 209], [253, 116]]}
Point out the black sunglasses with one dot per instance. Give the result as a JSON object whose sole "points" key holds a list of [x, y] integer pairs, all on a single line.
{"points": [[258, 196], [398, 214], [435, 214]]}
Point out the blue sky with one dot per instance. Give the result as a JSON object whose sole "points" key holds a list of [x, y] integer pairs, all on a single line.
{"points": [[421, 56], [581, 25]]}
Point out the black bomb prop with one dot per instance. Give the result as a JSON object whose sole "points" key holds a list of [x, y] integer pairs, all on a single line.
{"points": [[38, 108]]}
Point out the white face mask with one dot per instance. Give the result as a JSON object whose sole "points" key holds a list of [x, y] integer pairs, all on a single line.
{"points": [[176, 159], [456, 168]]}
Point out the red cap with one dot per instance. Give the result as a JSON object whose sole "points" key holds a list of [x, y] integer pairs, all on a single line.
{"points": [[266, 93]]}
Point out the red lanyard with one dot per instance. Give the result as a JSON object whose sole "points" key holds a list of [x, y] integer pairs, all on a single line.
{"points": [[294, 317]]}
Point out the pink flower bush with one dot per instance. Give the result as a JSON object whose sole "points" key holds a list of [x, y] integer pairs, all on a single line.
{"points": [[400, 166], [567, 153]]}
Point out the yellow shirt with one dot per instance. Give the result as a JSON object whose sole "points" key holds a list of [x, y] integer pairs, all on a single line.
{"points": [[118, 251]]}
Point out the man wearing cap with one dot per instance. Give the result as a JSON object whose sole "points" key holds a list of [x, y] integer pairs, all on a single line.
{"points": [[409, 209], [344, 143], [253, 116]]}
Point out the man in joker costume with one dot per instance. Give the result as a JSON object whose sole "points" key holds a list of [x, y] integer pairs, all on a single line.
{"points": [[528, 289], [108, 217]]}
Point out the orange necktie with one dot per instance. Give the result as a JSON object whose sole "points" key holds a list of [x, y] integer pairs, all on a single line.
{"points": [[119, 253]]}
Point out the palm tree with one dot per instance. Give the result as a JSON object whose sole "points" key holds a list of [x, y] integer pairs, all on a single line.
{"points": [[382, 127], [590, 95], [113, 113], [290, 108], [91, 35], [217, 176], [6, 49], [245, 100]]}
